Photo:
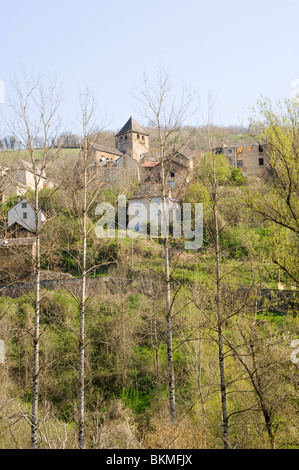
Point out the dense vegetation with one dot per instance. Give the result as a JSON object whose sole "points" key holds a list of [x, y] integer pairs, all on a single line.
{"points": [[107, 358], [126, 363]]}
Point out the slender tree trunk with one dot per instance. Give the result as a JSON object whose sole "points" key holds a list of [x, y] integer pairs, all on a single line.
{"points": [[156, 347], [256, 381], [81, 401], [202, 401], [219, 318], [35, 378], [171, 377]]}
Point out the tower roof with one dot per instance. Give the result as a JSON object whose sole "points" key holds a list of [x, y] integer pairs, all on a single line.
{"points": [[131, 126]]}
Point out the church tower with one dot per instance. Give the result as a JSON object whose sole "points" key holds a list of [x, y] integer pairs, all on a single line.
{"points": [[132, 140]]}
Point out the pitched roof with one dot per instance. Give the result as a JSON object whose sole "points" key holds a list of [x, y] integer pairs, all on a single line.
{"points": [[148, 190], [104, 148], [149, 164], [23, 164], [131, 126]]}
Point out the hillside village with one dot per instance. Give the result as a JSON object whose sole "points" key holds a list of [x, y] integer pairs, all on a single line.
{"points": [[161, 320], [131, 163]]}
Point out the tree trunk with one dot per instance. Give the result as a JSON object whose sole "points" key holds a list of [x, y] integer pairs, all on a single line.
{"points": [[219, 318], [202, 401], [171, 377], [81, 398], [35, 378]]}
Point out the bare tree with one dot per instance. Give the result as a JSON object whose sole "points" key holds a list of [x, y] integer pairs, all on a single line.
{"points": [[32, 120], [82, 187], [166, 113]]}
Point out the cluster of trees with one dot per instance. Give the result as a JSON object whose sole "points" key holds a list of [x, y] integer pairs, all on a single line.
{"points": [[182, 352]]}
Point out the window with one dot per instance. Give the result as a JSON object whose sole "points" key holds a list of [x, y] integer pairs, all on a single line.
{"points": [[261, 161], [24, 215], [143, 137], [126, 137], [261, 149], [239, 163], [121, 137], [172, 175], [137, 136], [24, 205]]}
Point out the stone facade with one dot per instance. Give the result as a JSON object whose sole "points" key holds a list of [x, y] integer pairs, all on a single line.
{"points": [[19, 178], [177, 173], [101, 153], [251, 159], [132, 140]]}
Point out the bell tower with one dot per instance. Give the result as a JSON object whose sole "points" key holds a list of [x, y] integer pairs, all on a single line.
{"points": [[132, 140]]}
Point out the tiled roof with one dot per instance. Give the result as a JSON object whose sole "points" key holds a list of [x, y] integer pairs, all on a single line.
{"points": [[104, 148], [149, 164], [148, 190]]}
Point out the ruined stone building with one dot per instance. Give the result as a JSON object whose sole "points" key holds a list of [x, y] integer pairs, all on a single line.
{"points": [[251, 159]]}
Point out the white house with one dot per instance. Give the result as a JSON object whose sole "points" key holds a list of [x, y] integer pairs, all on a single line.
{"points": [[23, 214], [146, 207]]}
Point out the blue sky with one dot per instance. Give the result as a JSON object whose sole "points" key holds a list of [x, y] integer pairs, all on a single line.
{"points": [[239, 50]]}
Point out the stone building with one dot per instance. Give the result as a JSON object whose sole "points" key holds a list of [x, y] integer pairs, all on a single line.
{"points": [[132, 162], [101, 153], [251, 159], [177, 172], [132, 140], [17, 179]]}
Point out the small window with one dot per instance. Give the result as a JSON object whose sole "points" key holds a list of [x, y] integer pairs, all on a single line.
{"points": [[261, 149], [172, 175], [137, 136], [121, 137], [24, 215], [24, 205], [126, 137], [261, 161], [239, 163], [143, 137]]}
